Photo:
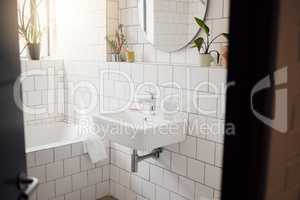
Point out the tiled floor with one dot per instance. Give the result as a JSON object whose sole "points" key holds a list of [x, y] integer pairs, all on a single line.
{"points": [[108, 198]]}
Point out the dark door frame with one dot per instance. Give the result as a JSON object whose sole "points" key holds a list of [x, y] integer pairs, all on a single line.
{"points": [[252, 57]]}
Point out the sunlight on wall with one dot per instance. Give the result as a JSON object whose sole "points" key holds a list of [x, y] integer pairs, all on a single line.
{"points": [[80, 29]]}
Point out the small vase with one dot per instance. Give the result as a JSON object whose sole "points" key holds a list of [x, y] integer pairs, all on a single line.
{"points": [[116, 57], [206, 59], [34, 50]]}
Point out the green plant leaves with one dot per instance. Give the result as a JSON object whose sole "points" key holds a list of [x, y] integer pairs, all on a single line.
{"points": [[198, 43], [202, 25]]}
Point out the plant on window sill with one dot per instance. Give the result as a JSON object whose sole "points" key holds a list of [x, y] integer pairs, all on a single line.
{"points": [[30, 29]]}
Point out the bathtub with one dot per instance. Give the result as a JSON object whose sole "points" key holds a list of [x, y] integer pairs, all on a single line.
{"points": [[55, 155], [51, 135]]}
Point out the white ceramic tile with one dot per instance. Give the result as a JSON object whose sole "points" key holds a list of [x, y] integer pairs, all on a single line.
{"points": [[175, 196], [150, 73], [208, 104], [162, 194], [137, 73], [63, 185], [178, 57], [156, 174], [122, 4], [34, 98], [73, 196], [198, 78], [44, 156], [148, 190], [203, 192], [63, 152], [215, 9], [59, 198], [46, 190], [219, 155], [54, 170], [85, 163], [88, 193], [114, 173], [71, 166], [226, 8], [179, 164], [215, 130], [38, 172], [28, 84], [217, 80], [143, 170], [94, 176], [186, 187], [197, 126], [213, 176], [124, 178], [149, 53], [192, 55], [129, 195], [221, 106], [30, 159], [105, 172], [132, 34], [162, 57], [180, 76], [32, 64], [170, 181], [136, 184], [77, 149], [120, 191], [41, 82], [188, 147], [173, 147], [102, 189], [196, 170], [131, 3], [205, 151], [165, 74], [79, 181]]}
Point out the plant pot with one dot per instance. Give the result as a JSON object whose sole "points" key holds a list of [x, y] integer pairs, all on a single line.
{"points": [[206, 59], [116, 57], [34, 50]]}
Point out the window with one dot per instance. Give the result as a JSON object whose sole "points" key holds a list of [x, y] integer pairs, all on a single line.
{"points": [[24, 10]]}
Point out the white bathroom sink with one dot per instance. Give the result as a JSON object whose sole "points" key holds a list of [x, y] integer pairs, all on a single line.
{"points": [[142, 131]]}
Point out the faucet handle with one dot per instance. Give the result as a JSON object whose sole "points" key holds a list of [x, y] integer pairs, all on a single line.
{"points": [[152, 94]]}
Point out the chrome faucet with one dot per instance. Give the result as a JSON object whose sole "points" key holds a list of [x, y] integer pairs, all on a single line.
{"points": [[150, 99]]}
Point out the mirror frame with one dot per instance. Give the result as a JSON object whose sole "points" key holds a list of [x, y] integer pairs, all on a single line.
{"points": [[176, 50]]}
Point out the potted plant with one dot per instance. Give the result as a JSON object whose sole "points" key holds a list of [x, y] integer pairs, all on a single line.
{"points": [[117, 43], [30, 29], [204, 45]]}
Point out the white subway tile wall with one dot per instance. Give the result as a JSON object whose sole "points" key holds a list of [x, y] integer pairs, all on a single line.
{"points": [[189, 170], [42, 87], [66, 178]]}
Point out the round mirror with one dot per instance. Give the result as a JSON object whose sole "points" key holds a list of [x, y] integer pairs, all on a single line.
{"points": [[169, 24]]}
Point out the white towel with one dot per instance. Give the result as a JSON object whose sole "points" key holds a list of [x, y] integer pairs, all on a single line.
{"points": [[95, 147]]}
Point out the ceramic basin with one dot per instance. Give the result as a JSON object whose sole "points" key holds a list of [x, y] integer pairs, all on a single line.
{"points": [[141, 131]]}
